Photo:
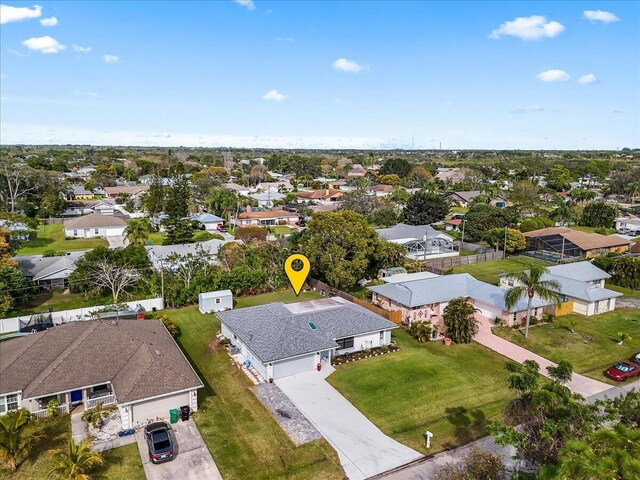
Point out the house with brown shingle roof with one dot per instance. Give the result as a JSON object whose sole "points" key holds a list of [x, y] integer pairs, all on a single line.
{"points": [[326, 195], [94, 225], [134, 191], [132, 364], [565, 242], [266, 218]]}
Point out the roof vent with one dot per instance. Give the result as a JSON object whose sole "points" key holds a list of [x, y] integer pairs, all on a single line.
{"points": [[113, 322], [158, 353]]}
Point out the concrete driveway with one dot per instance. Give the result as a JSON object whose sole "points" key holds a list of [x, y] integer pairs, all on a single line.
{"points": [[363, 449], [116, 242], [192, 462]]}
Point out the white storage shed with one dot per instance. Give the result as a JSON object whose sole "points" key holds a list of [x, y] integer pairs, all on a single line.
{"points": [[217, 301]]}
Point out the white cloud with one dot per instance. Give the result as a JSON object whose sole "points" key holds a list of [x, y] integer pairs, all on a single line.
{"points": [[78, 48], [85, 94], [527, 109], [274, 96], [44, 44], [347, 65], [111, 58], [587, 79], [49, 22], [284, 39], [10, 14], [534, 27], [553, 76], [600, 16], [248, 4]]}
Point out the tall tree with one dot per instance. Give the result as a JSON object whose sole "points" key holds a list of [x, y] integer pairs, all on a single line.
{"points": [[52, 203], [459, 318], [17, 437], [599, 214], [18, 181], [154, 199], [529, 284], [399, 166], [178, 194], [75, 461], [424, 208]]}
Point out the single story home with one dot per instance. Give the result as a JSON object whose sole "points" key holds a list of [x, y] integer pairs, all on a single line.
{"points": [[18, 230], [49, 272], [462, 199], [563, 242], [583, 284], [104, 208], [94, 225], [629, 225], [453, 224], [266, 199], [357, 171], [215, 301], [133, 190], [326, 195], [239, 189], [279, 340], [209, 221], [78, 192], [266, 218], [447, 174], [425, 299], [133, 364], [279, 186], [159, 254], [421, 241]]}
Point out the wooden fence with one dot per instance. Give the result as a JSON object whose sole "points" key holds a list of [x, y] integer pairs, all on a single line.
{"points": [[562, 309], [395, 316]]}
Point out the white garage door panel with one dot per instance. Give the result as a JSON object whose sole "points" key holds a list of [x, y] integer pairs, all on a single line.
{"points": [[158, 408], [488, 311], [293, 366]]}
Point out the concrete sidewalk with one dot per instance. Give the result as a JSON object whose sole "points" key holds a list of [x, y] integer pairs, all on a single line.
{"points": [[578, 384], [362, 448]]}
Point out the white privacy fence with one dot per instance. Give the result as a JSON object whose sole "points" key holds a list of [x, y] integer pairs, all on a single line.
{"points": [[12, 324]]}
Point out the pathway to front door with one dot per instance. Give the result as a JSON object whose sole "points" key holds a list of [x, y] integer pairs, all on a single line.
{"points": [[362, 448]]}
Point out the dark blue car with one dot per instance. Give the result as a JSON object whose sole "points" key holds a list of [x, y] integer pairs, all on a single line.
{"points": [[159, 441]]}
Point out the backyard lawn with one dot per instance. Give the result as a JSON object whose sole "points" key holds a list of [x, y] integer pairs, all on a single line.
{"points": [[244, 439], [591, 349], [120, 464], [451, 391], [608, 231], [490, 271], [51, 237], [285, 296], [156, 238], [627, 292]]}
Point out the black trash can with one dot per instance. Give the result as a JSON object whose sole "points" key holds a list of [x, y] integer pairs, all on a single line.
{"points": [[184, 413]]}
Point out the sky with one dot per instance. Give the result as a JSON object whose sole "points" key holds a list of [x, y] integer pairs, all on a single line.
{"points": [[460, 75]]}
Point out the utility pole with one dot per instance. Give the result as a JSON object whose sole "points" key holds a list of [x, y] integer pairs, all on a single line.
{"points": [[505, 242], [162, 282], [463, 222]]}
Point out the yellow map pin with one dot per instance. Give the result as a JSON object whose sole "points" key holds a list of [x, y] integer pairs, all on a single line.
{"points": [[297, 277]]}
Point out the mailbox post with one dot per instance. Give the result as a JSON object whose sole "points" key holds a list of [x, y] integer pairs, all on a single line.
{"points": [[427, 438]]}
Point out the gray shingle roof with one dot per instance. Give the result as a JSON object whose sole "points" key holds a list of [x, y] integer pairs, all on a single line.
{"points": [[272, 332], [138, 357], [94, 220], [426, 291], [404, 231], [38, 267]]}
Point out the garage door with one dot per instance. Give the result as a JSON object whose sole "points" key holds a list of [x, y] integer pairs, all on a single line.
{"points": [[488, 311], [159, 408], [293, 366]]}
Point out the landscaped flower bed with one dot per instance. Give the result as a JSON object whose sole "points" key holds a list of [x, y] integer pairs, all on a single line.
{"points": [[369, 352]]}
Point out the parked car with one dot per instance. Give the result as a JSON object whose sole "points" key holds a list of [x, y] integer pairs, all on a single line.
{"points": [[621, 371], [636, 358], [221, 228], [159, 441]]}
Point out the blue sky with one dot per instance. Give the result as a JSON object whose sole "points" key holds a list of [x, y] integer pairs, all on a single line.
{"points": [[322, 74]]}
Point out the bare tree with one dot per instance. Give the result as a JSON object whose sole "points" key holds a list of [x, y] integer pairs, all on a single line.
{"points": [[186, 267], [116, 278], [20, 180]]}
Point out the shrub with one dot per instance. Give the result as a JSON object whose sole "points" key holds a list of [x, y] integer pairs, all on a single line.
{"points": [[52, 407], [249, 234], [173, 329]]}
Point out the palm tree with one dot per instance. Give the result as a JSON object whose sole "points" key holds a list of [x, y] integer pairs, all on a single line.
{"points": [[96, 414], [459, 317], [529, 283], [421, 331], [74, 461], [138, 230], [16, 439]]}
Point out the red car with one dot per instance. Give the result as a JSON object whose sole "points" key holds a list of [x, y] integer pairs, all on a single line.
{"points": [[623, 370]]}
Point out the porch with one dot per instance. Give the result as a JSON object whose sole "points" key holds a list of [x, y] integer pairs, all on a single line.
{"points": [[85, 398]]}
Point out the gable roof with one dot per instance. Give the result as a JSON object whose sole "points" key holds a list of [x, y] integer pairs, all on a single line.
{"points": [[139, 358], [583, 271], [464, 196], [94, 220], [273, 332], [210, 247], [206, 218], [126, 189], [416, 293], [320, 194], [268, 214], [581, 290], [583, 240], [39, 268], [402, 231]]}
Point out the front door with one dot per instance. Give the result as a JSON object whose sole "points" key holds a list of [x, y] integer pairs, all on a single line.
{"points": [[76, 396], [324, 356]]}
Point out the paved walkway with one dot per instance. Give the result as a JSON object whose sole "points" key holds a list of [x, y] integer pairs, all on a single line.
{"points": [[362, 448], [578, 384], [78, 427], [193, 460]]}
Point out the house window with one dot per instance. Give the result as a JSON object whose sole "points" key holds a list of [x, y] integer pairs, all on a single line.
{"points": [[96, 231], [75, 233], [345, 343], [218, 300], [381, 336], [8, 403], [510, 283], [514, 316]]}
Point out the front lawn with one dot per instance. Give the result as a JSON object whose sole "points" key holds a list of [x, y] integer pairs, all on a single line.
{"points": [[627, 292], [156, 238], [282, 230], [591, 349], [452, 391], [490, 271], [51, 238], [242, 436], [120, 463]]}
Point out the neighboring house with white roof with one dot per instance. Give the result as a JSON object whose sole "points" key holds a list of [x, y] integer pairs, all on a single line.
{"points": [[266, 199], [19, 230], [462, 198], [583, 284], [239, 189], [628, 225], [281, 340], [94, 225], [49, 272], [159, 254], [425, 299], [104, 208], [421, 241], [209, 221]]}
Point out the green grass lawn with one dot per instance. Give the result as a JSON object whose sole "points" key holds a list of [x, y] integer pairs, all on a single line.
{"points": [[51, 237], [451, 391], [282, 230], [156, 238], [285, 296], [120, 464], [609, 231], [490, 271], [591, 349], [627, 292], [243, 437]]}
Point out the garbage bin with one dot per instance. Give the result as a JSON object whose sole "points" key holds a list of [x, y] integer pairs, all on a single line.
{"points": [[184, 413], [173, 415]]}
